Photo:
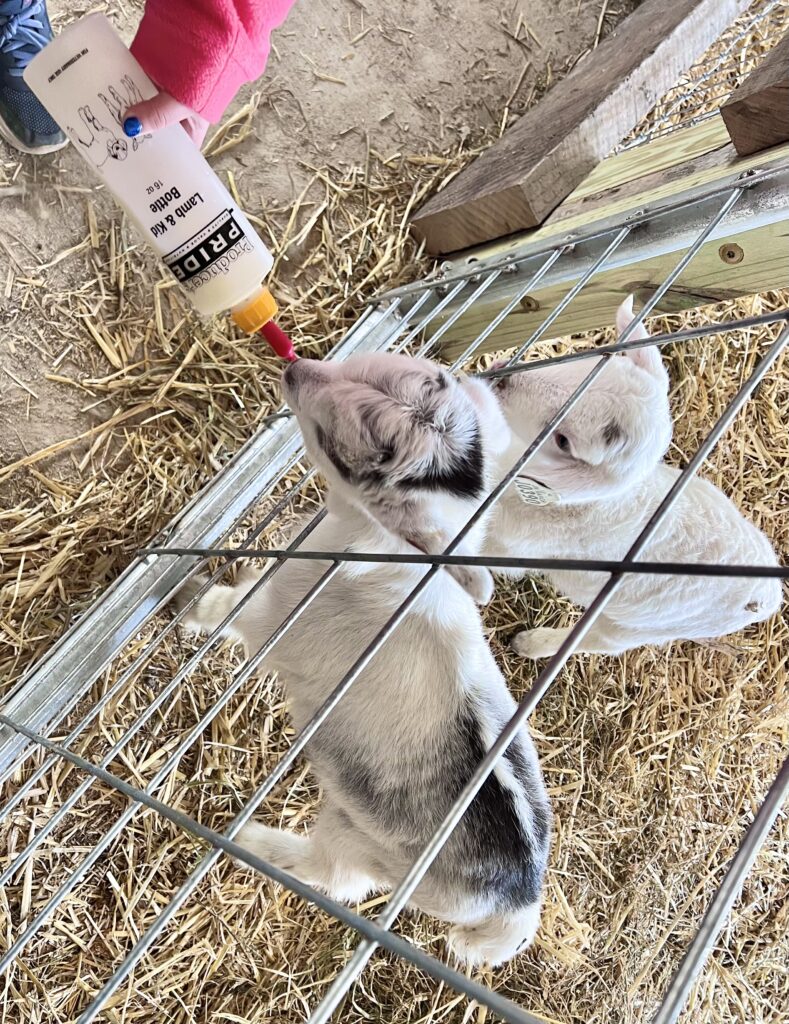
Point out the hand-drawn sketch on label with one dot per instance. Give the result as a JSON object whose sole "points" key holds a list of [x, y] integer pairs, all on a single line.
{"points": [[100, 142]]}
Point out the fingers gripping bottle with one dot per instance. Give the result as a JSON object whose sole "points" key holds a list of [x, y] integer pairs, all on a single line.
{"points": [[87, 78]]}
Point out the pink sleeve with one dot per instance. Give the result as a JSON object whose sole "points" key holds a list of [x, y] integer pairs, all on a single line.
{"points": [[203, 51]]}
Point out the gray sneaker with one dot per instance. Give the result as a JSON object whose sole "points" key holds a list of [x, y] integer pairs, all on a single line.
{"points": [[24, 123]]}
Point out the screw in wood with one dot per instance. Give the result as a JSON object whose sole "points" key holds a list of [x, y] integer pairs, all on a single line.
{"points": [[731, 253]]}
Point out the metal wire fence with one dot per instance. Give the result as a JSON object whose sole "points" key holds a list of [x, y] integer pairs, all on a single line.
{"points": [[706, 85], [42, 705]]}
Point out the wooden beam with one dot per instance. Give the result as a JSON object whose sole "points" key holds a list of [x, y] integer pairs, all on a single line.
{"points": [[667, 167], [757, 114], [540, 160], [739, 262], [748, 253]]}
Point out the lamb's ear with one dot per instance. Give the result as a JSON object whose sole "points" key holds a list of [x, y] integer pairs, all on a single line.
{"points": [[623, 317], [647, 358], [492, 422]]}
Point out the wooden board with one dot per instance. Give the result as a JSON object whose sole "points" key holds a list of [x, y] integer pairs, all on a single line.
{"points": [[757, 115], [516, 183], [708, 278], [691, 171], [688, 158], [681, 159]]}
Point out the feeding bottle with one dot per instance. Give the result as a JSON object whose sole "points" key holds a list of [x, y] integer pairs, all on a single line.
{"points": [[87, 78]]}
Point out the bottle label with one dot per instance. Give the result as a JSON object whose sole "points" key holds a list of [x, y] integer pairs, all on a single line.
{"points": [[210, 252], [88, 80], [97, 127]]}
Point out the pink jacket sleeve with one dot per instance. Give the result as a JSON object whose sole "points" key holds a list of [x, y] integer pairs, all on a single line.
{"points": [[203, 51]]}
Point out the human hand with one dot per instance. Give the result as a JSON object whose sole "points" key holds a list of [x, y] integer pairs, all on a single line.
{"points": [[160, 112]]}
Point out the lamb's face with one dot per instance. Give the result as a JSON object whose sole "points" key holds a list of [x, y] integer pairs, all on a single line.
{"points": [[614, 436], [389, 429]]}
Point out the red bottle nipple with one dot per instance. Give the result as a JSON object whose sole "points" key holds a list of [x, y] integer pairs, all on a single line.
{"points": [[279, 341]]}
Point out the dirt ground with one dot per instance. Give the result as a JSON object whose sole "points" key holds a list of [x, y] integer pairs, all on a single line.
{"points": [[345, 77]]}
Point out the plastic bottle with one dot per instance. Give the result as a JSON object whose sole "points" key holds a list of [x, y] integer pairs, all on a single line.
{"points": [[87, 78]]}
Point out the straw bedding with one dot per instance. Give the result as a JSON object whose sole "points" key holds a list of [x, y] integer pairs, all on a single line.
{"points": [[655, 761]]}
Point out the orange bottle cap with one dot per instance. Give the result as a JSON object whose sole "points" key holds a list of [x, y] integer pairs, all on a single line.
{"points": [[255, 314]]}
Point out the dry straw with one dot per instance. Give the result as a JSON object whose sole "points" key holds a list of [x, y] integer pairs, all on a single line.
{"points": [[655, 760]]}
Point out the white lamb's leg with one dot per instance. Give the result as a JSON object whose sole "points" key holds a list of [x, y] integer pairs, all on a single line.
{"points": [[327, 859], [217, 603], [476, 580], [605, 637], [497, 938]]}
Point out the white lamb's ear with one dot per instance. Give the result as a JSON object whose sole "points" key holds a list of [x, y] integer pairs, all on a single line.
{"points": [[491, 416], [647, 358], [623, 317]]}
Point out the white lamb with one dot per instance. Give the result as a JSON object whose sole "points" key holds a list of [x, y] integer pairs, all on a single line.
{"points": [[408, 452], [592, 487]]}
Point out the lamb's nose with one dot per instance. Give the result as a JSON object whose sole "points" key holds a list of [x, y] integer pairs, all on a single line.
{"points": [[290, 373], [304, 372], [298, 371]]}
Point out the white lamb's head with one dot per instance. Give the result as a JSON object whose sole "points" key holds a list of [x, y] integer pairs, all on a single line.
{"points": [[400, 437], [614, 436]]}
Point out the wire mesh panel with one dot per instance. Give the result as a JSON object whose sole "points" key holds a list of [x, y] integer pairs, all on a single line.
{"points": [[703, 89], [135, 745]]}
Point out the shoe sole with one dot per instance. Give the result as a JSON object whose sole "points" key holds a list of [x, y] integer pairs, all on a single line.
{"points": [[15, 143]]}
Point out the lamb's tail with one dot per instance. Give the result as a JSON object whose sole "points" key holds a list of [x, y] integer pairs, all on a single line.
{"points": [[497, 938]]}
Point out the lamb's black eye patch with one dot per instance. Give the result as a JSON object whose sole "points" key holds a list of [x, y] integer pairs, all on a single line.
{"points": [[463, 475], [375, 473], [331, 453], [612, 432]]}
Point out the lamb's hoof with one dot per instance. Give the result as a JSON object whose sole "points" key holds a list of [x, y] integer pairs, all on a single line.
{"points": [[537, 643], [184, 597], [476, 581], [270, 844], [495, 940]]}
